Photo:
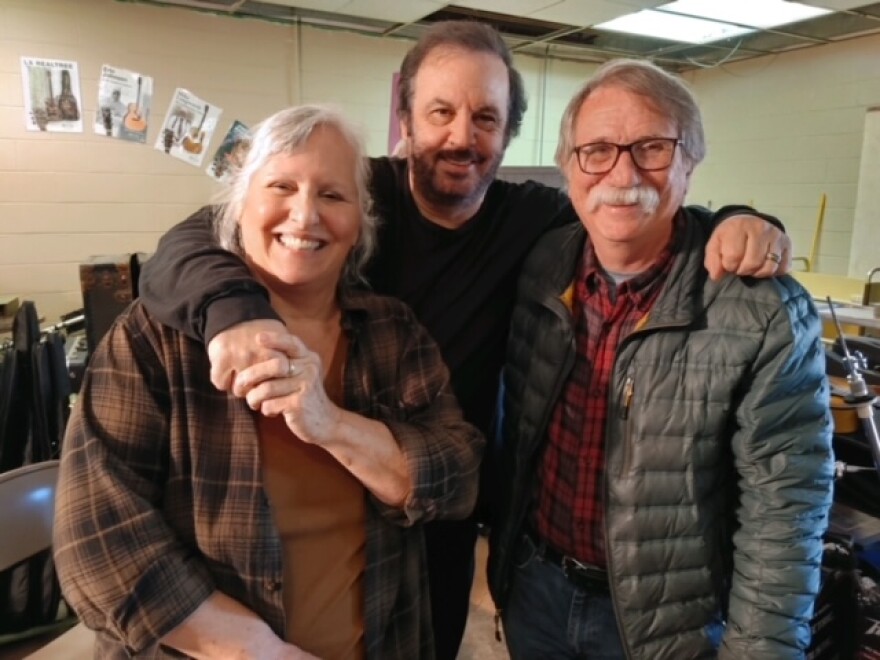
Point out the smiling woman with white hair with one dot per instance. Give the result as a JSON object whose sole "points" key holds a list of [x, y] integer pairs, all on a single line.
{"points": [[281, 520]]}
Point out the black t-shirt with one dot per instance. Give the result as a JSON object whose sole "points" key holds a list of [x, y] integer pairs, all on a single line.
{"points": [[461, 282]]}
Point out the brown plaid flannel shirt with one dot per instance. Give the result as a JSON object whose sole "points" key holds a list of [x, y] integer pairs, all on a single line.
{"points": [[161, 501]]}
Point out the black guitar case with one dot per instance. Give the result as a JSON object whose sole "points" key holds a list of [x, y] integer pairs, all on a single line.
{"points": [[34, 392]]}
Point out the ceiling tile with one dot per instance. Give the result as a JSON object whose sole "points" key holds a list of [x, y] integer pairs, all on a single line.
{"points": [[398, 11], [577, 12], [510, 7], [839, 5], [529, 21], [316, 5], [639, 4]]}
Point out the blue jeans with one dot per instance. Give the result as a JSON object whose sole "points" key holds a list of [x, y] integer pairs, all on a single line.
{"points": [[548, 617]]}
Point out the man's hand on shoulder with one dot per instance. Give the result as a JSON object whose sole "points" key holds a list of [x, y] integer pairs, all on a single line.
{"points": [[236, 348], [747, 245]]}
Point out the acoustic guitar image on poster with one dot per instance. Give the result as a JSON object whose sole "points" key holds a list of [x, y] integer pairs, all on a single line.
{"points": [[189, 125], [50, 90], [66, 101], [134, 121], [53, 112], [193, 141], [124, 101]]}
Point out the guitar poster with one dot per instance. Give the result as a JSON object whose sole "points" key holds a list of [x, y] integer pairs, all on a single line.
{"points": [[230, 154], [124, 100], [52, 100], [189, 124]]}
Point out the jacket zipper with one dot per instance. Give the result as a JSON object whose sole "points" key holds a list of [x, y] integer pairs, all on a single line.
{"points": [[628, 387], [628, 391]]}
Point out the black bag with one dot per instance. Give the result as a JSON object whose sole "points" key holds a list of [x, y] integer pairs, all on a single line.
{"points": [[34, 395], [837, 617]]}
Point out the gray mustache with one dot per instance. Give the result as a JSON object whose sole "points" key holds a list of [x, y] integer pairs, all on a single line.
{"points": [[645, 196]]}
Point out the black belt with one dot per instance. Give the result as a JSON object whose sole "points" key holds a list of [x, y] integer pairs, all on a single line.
{"points": [[585, 576]]}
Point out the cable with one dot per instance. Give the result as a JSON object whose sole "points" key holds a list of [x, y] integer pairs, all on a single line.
{"points": [[723, 60]]}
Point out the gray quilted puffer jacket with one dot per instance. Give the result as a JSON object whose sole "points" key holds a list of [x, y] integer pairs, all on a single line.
{"points": [[719, 469]]}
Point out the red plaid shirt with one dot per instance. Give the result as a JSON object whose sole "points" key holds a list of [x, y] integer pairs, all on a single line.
{"points": [[569, 513]]}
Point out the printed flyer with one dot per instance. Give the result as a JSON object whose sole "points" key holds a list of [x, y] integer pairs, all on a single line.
{"points": [[230, 153], [189, 124], [52, 100], [124, 99]]}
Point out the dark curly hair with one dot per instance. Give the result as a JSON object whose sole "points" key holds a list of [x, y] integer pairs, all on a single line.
{"points": [[467, 35]]}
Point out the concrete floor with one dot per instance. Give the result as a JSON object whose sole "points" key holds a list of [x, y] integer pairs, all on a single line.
{"points": [[479, 636]]}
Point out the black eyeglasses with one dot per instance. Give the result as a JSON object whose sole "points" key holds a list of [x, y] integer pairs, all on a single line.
{"points": [[649, 155]]}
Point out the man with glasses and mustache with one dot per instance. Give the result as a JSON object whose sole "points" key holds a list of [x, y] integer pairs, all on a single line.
{"points": [[451, 242], [666, 439]]}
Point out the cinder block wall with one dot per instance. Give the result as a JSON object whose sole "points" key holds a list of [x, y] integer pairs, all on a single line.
{"points": [[65, 197], [783, 130]]}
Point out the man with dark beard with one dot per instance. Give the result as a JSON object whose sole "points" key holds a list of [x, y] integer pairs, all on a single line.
{"points": [[450, 245]]}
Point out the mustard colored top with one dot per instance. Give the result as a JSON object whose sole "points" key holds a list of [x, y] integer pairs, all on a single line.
{"points": [[319, 509]]}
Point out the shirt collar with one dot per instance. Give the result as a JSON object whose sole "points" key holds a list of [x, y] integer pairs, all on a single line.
{"points": [[639, 288]]}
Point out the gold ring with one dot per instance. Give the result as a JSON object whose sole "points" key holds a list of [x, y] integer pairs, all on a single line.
{"points": [[775, 258]]}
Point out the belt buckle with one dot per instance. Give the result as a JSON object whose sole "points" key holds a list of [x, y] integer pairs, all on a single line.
{"points": [[584, 574], [571, 567]]}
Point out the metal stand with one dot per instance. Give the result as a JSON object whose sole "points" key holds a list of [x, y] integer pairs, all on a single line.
{"points": [[860, 396]]}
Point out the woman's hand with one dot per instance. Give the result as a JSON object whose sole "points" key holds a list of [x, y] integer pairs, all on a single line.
{"points": [[291, 385], [221, 627]]}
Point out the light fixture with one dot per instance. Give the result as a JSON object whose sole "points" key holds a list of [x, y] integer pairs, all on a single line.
{"points": [[673, 27], [703, 21]]}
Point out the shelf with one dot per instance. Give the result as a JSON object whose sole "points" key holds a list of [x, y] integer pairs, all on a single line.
{"points": [[851, 315]]}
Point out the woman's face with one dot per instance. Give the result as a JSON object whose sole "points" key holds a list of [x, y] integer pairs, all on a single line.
{"points": [[302, 214]]}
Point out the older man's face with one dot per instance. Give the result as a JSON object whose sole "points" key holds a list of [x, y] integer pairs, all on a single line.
{"points": [[628, 212]]}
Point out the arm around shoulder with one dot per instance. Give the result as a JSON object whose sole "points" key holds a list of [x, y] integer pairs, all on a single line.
{"points": [[744, 242], [193, 285]]}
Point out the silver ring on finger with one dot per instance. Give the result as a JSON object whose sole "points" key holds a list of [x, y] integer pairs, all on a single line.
{"points": [[774, 257], [292, 369]]}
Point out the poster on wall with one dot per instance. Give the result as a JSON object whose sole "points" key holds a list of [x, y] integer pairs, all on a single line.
{"points": [[230, 153], [52, 101], [189, 124], [124, 99]]}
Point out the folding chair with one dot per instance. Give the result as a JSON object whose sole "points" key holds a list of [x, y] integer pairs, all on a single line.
{"points": [[27, 510]]}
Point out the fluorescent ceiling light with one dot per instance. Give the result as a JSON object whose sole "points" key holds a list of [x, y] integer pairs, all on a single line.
{"points": [[673, 27], [756, 13], [710, 20]]}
